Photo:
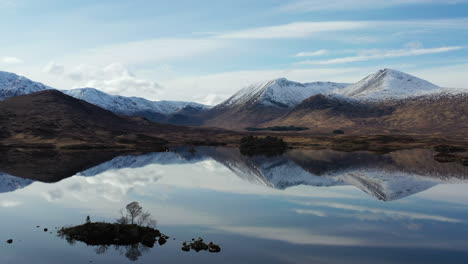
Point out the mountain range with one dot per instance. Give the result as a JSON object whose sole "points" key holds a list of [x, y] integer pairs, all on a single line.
{"points": [[12, 85], [387, 101]]}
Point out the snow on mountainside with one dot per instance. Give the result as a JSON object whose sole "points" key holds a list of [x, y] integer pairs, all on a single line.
{"points": [[13, 85], [133, 106], [161, 158], [9, 183], [389, 186], [280, 92], [389, 84]]}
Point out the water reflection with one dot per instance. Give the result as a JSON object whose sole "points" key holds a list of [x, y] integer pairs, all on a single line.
{"points": [[386, 177], [302, 207]]}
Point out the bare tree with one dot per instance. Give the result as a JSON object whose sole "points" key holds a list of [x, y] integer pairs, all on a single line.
{"points": [[134, 210], [134, 214], [145, 219]]}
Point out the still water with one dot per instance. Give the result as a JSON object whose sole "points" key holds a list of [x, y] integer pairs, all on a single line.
{"points": [[317, 206]]}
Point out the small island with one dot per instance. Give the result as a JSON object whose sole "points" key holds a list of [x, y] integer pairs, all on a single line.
{"points": [[269, 146], [134, 231], [136, 227]]}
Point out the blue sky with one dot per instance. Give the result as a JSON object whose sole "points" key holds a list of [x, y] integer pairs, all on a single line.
{"points": [[206, 50]]}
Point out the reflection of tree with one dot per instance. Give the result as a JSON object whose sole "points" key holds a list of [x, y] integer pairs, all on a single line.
{"points": [[101, 249], [132, 252], [70, 240]]}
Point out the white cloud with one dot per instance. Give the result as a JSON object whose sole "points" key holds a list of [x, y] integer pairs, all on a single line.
{"points": [[313, 53], [147, 51], [294, 30], [293, 235], [383, 54], [385, 213], [114, 78], [311, 212], [316, 5], [11, 60], [117, 79], [306, 28], [54, 68], [210, 99], [7, 203]]}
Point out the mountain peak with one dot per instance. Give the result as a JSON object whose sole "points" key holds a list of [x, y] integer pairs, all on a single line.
{"points": [[280, 92], [389, 84], [12, 85]]}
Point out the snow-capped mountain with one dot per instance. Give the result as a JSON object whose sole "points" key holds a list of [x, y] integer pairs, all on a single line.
{"points": [[280, 92], [263, 102], [132, 106], [9, 183], [389, 84], [13, 85]]}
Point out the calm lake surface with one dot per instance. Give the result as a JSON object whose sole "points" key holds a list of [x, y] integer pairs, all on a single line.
{"points": [[303, 207]]}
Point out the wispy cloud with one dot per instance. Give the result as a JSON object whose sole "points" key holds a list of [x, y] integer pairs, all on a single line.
{"points": [[148, 51], [54, 68], [306, 28], [316, 5], [293, 235], [312, 53], [8, 203], [383, 54], [11, 60], [384, 212], [310, 212], [294, 30]]}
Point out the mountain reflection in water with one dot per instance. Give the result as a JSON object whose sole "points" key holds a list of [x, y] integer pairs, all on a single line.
{"points": [[306, 206], [386, 177]]}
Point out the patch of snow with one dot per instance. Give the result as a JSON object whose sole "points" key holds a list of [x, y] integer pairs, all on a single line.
{"points": [[13, 85], [389, 84], [9, 183], [129, 105], [281, 92]]}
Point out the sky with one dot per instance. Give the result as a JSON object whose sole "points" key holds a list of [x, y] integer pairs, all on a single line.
{"points": [[205, 51]]}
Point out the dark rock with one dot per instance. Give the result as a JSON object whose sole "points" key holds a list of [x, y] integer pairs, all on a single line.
{"points": [[162, 241], [213, 248], [45, 229], [147, 240], [186, 248], [198, 245], [9, 241]]}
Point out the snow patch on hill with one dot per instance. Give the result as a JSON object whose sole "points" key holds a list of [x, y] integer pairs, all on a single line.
{"points": [[389, 84], [280, 92], [9, 183], [13, 85], [129, 105]]}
